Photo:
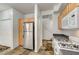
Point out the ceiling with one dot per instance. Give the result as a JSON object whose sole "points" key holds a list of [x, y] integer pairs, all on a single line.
{"points": [[28, 7], [46, 6], [23, 7]]}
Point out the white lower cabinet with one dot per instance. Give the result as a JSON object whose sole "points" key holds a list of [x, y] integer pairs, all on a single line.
{"points": [[56, 48], [56, 51]]}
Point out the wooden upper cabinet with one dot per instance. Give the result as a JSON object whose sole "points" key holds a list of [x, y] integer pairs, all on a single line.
{"points": [[29, 20], [68, 8], [20, 32], [71, 6], [59, 22]]}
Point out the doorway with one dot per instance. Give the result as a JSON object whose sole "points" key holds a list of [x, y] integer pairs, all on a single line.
{"points": [[47, 27], [26, 34]]}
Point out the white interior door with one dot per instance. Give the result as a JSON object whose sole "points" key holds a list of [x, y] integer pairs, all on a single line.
{"points": [[47, 28]]}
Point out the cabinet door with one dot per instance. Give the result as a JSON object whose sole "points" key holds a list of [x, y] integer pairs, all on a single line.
{"points": [[72, 19], [65, 22]]}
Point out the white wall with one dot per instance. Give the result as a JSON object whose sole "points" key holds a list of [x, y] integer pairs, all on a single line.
{"points": [[47, 12], [71, 32], [55, 22], [30, 15], [38, 29], [5, 14], [35, 21], [16, 16], [6, 28], [9, 28]]}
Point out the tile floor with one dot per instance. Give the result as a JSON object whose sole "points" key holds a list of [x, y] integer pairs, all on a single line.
{"points": [[46, 49], [3, 48]]}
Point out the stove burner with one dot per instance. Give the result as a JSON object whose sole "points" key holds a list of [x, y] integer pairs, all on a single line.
{"points": [[69, 46], [63, 44]]}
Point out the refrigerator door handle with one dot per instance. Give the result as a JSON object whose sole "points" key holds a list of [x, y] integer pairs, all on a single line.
{"points": [[23, 36]]}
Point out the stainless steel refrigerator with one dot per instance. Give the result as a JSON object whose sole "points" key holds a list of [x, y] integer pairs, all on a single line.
{"points": [[28, 35]]}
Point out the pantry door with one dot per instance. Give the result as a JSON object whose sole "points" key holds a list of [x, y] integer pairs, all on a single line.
{"points": [[20, 32]]}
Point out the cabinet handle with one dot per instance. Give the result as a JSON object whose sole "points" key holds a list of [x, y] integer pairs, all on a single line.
{"points": [[72, 15]]}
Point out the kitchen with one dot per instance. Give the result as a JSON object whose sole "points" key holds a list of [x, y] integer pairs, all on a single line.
{"points": [[30, 29], [52, 31]]}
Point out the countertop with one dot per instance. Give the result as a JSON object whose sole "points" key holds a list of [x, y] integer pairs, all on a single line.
{"points": [[61, 37]]}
